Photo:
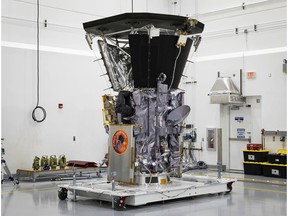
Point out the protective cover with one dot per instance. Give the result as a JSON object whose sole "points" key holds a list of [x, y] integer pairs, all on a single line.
{"points": [[157, 145], [118, 65], [121, 153]]}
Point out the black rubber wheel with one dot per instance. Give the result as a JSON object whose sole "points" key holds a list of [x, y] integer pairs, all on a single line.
{"points": [[63, 194], [229, 186]]}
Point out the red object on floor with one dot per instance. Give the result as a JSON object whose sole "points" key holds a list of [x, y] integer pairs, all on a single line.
{"points": [[79, 163], [252, 146]]}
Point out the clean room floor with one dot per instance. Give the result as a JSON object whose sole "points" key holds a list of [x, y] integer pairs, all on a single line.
{"points": [[250, 196]]}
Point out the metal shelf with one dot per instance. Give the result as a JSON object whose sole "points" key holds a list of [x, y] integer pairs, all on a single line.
{"points": [[275, 133], [25, 174]]}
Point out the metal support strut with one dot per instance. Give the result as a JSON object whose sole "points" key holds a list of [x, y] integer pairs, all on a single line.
{"points": [[7, 171], [5, 168]]}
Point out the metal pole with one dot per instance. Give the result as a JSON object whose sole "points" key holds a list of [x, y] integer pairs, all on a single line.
{"points": [[113, 174], [156, 145], [113, 189], [148, 75], [74, 184], [241, 82], [219, 166]]}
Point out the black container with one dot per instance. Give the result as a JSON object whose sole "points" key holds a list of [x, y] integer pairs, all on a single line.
{"points": [[255, 155], [274, 170], [252, 168], [277, 159]]}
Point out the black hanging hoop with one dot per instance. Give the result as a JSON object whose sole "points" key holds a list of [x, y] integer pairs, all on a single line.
{"points": [[34, 114]]}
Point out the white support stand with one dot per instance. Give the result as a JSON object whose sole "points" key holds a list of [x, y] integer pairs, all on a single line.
{"points": [[136, 195]]}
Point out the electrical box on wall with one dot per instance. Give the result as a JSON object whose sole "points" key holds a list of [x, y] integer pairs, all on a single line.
{"points": [[214, 138]]}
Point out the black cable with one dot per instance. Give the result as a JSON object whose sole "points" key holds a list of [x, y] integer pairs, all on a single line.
{"points": [[38, 76]]}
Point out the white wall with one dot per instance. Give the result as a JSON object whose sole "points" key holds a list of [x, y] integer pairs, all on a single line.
{"points": [[225, 51], [69, 75], [68, 79]]}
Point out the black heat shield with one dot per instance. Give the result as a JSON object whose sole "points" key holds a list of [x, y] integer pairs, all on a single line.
{"points": [[126, 21], [150, 57]]}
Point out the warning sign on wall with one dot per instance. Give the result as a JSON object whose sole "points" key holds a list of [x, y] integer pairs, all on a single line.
{"points": [[241, 133]]}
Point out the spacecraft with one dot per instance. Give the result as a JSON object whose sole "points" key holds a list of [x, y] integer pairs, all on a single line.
{"points": [[144, 55]]}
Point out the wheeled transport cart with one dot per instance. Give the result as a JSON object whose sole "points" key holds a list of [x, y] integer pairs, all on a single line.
{"points": [[135, 195]]}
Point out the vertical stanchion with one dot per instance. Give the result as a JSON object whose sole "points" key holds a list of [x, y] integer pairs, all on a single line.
{"points": [[219, 166], [74, 183]]}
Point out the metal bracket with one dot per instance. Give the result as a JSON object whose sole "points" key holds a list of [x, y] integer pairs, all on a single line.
{"points": [[285, 66], [236, 30], [97, 59], [275, 133], [243, 6], [255, 27], [107, 88], [89, 39]]}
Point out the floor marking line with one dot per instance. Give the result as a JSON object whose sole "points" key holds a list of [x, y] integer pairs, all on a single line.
{"points": [[28, 190], [262, 181], [260, 189], [248, 179]]}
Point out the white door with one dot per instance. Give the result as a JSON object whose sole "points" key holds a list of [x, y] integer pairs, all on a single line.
{"points": [[240, 134]]}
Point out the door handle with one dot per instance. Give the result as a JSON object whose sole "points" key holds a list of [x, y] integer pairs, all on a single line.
{"points": [[240, 139]]}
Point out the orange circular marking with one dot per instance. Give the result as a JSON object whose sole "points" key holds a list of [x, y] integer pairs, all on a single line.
{"points": [[120, 141]]}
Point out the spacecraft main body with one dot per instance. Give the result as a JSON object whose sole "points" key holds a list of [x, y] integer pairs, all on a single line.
{"points": [[144, 55]]}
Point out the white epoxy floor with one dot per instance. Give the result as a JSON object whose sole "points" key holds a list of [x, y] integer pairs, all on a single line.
{"points": [[252, 195]]}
